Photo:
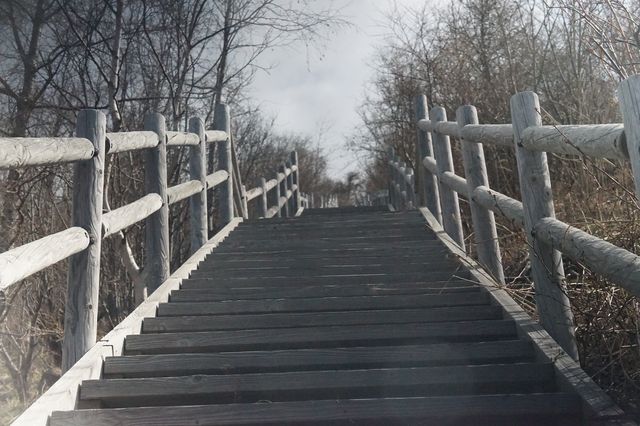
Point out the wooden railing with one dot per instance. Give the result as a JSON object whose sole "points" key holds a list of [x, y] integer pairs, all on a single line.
{"points": [[82, 241], [437, 187]]}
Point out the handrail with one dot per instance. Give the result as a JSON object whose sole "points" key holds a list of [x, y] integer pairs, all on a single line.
{"points": [[90, 225], [547, 235]]}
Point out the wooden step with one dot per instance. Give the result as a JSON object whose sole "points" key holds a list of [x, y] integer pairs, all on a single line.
{"points": [[530, 409], [321, 337], [321, 304], [318, 359], [218, 293], [311, 319], [322, 384]]}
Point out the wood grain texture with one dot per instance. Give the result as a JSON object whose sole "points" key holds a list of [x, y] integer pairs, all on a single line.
{"points": [[21, 262], [198, 218], [182, 138], [552, 302], [216, 178], [156, 269], [131, 141], [500, 204], [23, 152], [64, 393], [489, 134], [629, 97], [125, 216], [83, 278], [483, 222], [451, 219], [216, 136], [591, 140]]}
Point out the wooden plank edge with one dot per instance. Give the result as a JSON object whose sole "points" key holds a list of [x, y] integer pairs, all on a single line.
{"points": [[63, 395], [597, 405]]}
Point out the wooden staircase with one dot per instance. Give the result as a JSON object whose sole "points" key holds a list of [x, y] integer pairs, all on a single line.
{"points": [[340, 316]]}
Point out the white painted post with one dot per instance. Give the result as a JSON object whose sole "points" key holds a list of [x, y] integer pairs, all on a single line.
{"points": [[427, 182], [484, 223], [629, 96], [222, 121], [546, 263], [157, 225], [198, 171], [451, 220], [83, 283]]}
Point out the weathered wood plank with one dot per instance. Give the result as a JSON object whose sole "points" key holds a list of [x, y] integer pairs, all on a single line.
{"points": [[320, 337], [500, 204], [182, 139], [125, 216], [23, 152], [318, 359], [83, 277], [322, 304], [216, 136], [21, 262], [313, 319], [254, 193], [215, 179], [548, 409], [489, 134], [305, 385], [131, 141]]}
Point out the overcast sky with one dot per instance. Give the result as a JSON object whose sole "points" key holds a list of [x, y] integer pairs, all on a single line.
{"points": [[310, 92]]}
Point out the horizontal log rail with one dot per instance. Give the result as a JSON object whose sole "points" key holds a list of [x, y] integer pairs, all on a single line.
{"points": [[24, 152], [82, 241], [548, 237]]}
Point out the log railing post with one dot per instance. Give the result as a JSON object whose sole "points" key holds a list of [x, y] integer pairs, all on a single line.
{"points": [[224, 202], [198, 171], [295, 176], [284, 211], [263, 201], [245, 203], [276, 191], [552, 302], [483, 220], [81, 309], [451, 220], [411, 194], [290, 201], [402, 184], [157, 225], [392, 180], [427, 183]]}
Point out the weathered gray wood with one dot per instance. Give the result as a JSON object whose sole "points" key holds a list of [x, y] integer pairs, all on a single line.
{"points": [[318, 337], [216, 136], [279, 178], [125, 216], [224, 202], [284, 207], [198, 172], [273, 212], [546, 263], [216, 178], [23, 152], [600, 256], [183, 191], [484, 223], [489, 134], [254, 193], [263, 200], [455, 183], [593, 140], [271, 183], [475, 409], [292, 208], [245, 201], [427, 182], [131, 141], [21, 262], [500, 204], [449, 128], [392, 184], [305, 385], [629, 97], [83, 283], [157, 225], [295, 180], [182, 139], [63, 395], [311, 359], [430, 164], [451, 219]]}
